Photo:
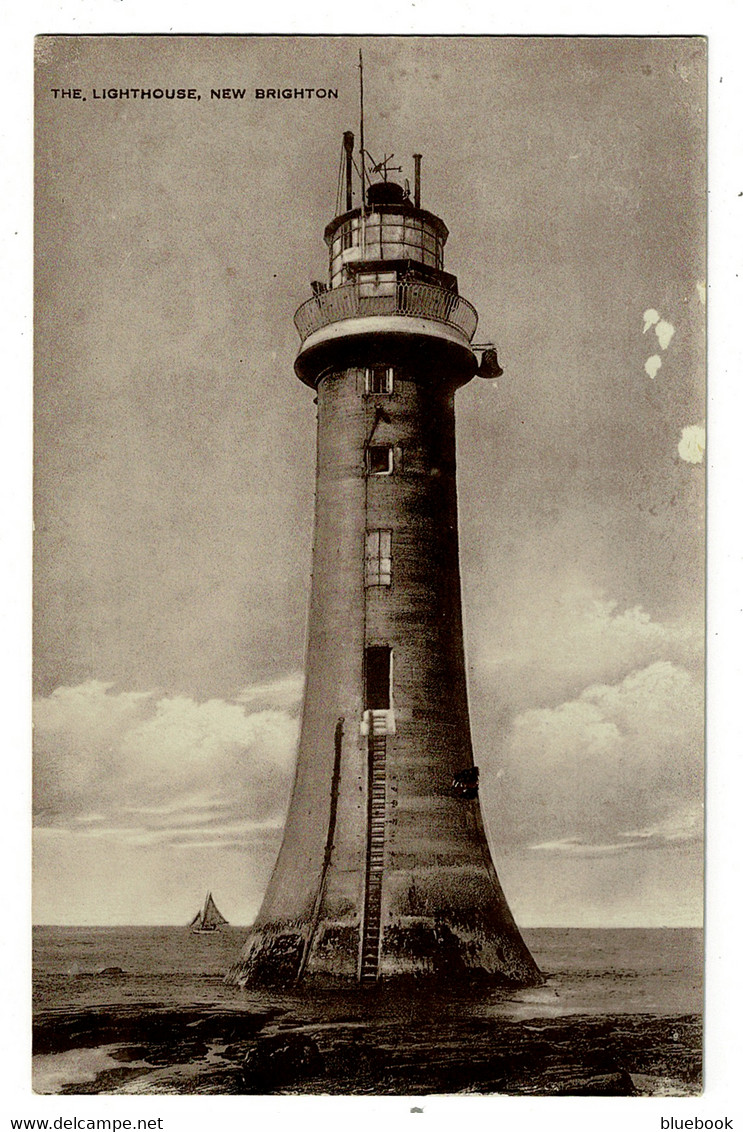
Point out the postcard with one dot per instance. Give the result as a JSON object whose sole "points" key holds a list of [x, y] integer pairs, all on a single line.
{"points": [[369, 565]]}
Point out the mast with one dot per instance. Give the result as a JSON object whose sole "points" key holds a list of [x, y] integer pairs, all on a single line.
{"points": [[362, 153], [348, 149], [361, 130]]}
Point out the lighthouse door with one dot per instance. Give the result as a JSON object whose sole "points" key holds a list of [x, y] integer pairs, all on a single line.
{"points": [[377, 677]]}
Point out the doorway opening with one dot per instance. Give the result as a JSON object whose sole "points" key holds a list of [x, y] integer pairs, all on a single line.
{"points": [[377, 677]]}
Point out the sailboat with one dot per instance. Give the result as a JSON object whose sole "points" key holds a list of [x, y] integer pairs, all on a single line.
{"points": [[208, 918]]}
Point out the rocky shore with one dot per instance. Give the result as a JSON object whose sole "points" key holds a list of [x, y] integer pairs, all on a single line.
{"points": [[146, 1048]]}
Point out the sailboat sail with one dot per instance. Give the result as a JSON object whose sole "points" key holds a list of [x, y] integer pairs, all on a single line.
{"points": [[212, 915], [208, 918]]}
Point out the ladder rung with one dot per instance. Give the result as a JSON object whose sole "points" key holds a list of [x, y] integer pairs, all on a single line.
{"points": [[377, 828]]}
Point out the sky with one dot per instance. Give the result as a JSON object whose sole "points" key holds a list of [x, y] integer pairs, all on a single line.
{"points": [[175, 456]]}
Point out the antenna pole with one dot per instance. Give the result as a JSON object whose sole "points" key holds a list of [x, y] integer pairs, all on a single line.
{"points": [[417, 190], [363, 155], [361, 131], [348, 147]]}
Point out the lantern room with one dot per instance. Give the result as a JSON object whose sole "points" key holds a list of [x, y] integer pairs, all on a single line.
{"points": [[390, 235]]}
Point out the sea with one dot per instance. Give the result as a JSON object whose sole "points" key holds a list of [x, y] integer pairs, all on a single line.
{"points": [[589, 974], [587, 970]]}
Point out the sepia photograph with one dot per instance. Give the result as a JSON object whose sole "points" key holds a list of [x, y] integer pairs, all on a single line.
{"points": [[369, 565]]}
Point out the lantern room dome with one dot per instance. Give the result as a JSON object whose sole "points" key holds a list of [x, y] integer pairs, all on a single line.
{"points": [[385, 192]]}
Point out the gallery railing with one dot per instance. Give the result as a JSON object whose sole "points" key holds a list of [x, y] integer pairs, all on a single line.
{"points": [[416, 300]]}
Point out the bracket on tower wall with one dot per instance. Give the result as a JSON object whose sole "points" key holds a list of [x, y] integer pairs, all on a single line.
{"points": [[388, 723]]}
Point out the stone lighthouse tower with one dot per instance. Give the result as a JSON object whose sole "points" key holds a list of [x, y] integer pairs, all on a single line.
{"points": [[385, 870]]}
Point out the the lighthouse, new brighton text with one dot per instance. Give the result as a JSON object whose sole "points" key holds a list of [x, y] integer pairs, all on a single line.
{"points": [[385, 869]]}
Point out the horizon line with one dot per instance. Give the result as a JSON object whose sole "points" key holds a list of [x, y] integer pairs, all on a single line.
{"points": [[522, 927]]}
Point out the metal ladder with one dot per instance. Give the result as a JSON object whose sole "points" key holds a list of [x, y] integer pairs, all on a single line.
{"points": [[369, 960]]}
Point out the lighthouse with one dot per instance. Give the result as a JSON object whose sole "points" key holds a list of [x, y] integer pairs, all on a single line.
{"points": [[385, 871]]}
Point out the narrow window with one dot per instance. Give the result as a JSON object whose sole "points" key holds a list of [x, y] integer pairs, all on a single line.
{"points": [[379, 379], [377, 677], [377, 284], [379, 460], [378, 558]]}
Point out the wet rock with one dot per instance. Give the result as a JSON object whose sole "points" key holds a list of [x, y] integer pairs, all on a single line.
{"points": [[618, 1084], [281, 1060], [109, 1081], [177, 1052], [378, 1051], [235, 1051], [130, 1053], [350, 1057], [141, 1023]]}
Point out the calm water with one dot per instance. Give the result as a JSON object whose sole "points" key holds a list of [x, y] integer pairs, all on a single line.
{"points": [[589, 971]]}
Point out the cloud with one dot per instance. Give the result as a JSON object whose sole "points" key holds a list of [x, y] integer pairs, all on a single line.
{"points": [[236, 832], [556, 647], [685, 824], [651, 317], [283, 694], [692, 444], [143, 768], [618, 767]]}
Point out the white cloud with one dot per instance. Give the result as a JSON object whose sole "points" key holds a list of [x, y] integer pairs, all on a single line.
{"points": [[692, 444], [283, 694], [685, 824], [236, 832], [617, 767], [137, 766], [193, 804], [557, 647], [574, 846], [86, 723], [650, 317]]}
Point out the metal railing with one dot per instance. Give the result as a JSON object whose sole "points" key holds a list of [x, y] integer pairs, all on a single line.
{"points": [[416, 300]]}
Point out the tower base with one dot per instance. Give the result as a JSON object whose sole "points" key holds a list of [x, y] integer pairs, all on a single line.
{"points": [[414, 947]]}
